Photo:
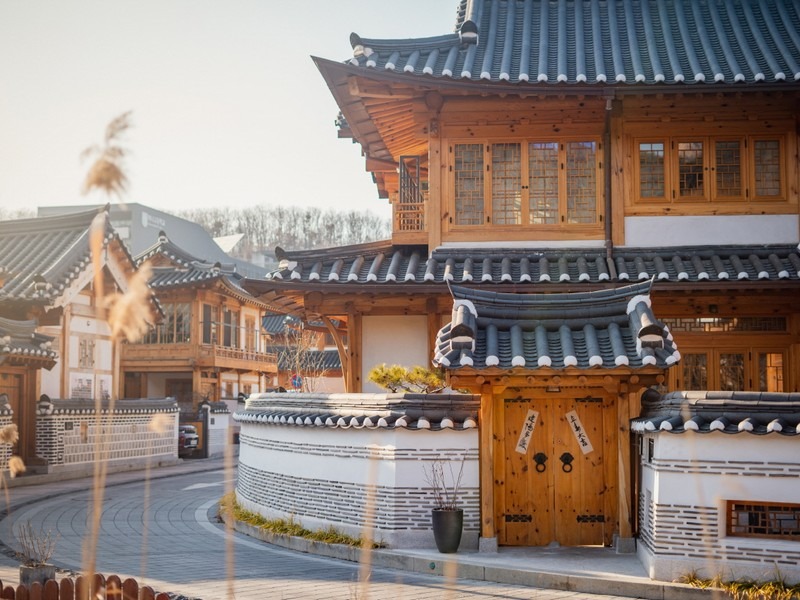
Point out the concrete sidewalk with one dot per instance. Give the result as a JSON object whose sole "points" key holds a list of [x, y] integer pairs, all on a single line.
{"points": [[591, 570]]}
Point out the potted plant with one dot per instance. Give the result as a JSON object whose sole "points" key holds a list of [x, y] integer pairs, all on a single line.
{"points": [[37, 549], [447, 518]]}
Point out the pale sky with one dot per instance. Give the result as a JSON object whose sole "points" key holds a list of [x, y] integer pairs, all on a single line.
{"points": [[228, 107]]}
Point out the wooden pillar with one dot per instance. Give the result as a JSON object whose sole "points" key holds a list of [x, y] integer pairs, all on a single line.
{"points": [[433, 211], [354, 343], [486, 459], [431, 307], [624, 463], [64, 357]]}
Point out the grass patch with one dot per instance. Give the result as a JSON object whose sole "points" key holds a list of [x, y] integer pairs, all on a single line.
{"points": [[747, 589], [230, 507]]}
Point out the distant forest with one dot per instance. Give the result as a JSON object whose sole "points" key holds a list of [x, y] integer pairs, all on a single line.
{"points": [[264, 226], [292, 228]]}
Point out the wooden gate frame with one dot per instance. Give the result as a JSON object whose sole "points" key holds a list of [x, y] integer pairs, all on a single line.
{"points": [[622, 383]]}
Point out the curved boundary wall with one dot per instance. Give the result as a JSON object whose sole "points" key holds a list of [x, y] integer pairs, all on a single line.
{"points": [[358, 461]]}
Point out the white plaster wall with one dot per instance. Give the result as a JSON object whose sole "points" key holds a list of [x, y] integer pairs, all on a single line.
{"points": [[218, 433], [648, 232], [351, 459], [328, 385], [394, 340], [103, 355], [694, 475], [50, 381]]}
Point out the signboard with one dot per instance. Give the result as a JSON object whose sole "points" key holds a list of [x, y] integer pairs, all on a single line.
{"points": [[526, 433], [580, 433], [297, 381]]}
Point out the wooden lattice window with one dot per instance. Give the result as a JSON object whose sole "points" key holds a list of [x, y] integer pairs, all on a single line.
{"points": [[694, 369], [469, 184], [728, 168], [537, 182], [731, 371], [767, 162], [652, 168], [581, 182], [690, 169], [775, 520], [506, 184], [710, 169], [543, 182], [86, 353]]}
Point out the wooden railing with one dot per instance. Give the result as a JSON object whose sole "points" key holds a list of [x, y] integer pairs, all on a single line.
{"points": [[184, 352], [83, 588]]}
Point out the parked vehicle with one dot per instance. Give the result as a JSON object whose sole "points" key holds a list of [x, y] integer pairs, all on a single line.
{"points": [[187, 440]]}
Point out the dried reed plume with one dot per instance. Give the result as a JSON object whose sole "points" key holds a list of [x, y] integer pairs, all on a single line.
{"points": [[9, 434], [15, 466], [107, 172], [129, 313]]}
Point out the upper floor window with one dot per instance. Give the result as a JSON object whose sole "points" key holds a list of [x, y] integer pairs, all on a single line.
{"points": [[709, 169], [531, 183], [210, 323], [230, 324], [176, 326]]}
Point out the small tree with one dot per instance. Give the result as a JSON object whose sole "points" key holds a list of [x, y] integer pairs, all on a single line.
{"points": [[417, 379], [301, 356]]}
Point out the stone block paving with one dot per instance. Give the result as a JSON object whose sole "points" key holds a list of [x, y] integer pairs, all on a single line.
{"points": [[186, 549]]}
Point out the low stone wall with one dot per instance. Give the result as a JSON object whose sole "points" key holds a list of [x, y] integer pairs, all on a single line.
{"points": [[357, 461], [687, 481], [70, 431]]}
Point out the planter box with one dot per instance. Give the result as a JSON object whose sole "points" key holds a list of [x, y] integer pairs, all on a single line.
{"points": [[38, 574]]}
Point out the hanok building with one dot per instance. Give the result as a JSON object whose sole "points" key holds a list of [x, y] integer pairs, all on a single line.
{"points": [[57, 339], [209, 346], [573, 146]]}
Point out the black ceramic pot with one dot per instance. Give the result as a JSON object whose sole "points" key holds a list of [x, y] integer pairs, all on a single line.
{"points": [[447, 525]]}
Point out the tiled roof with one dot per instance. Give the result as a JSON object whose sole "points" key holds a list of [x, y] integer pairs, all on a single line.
{"points": [[371, 411], [20, 344], [187, 270], [603, 41], [316, 360], [382, 263], [605, 329], [41, 257], [87, 406], [759, 413]]}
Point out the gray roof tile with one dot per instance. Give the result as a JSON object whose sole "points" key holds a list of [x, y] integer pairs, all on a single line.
{"points": [[41, 257], [20, 344], [599, 41], [188, 270], [371, 411], [383, 263], [606, 328], [759, 413]]}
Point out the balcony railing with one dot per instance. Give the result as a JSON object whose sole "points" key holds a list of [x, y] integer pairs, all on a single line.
{"points": [[204, 355], [409, 209]]}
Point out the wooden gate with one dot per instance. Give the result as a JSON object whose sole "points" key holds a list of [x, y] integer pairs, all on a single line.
{"points": [[557, 459]]}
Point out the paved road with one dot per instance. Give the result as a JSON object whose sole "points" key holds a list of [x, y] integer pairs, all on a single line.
{"points": [[185, 550]]}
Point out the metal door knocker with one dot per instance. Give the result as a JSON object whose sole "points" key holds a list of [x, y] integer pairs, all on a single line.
{"points": [[540, 458], [566, 459]]}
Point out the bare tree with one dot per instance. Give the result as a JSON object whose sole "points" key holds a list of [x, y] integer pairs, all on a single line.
{"points": [[107, 172]]}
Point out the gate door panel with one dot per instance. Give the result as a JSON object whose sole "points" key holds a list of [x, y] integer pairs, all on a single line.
{"points": [[551, 472]]}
